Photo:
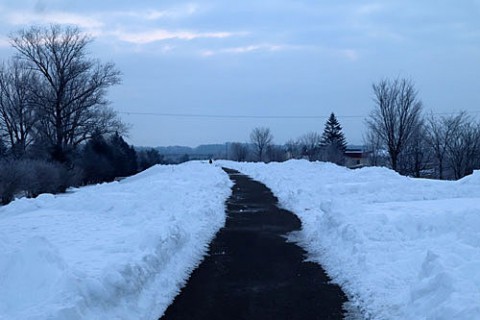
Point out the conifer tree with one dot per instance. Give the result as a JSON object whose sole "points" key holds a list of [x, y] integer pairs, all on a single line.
{"points": [[333, 135], [333, 142], [148, 158], [95, 163], [123, 157]]}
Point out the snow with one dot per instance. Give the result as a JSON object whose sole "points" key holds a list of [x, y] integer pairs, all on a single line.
{"points": [[120, 250], [401, 248]]}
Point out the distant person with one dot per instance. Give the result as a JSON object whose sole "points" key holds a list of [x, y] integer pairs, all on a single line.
{"points": [[210, 161]]}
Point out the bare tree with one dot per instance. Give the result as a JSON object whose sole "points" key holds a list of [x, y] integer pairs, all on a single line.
{"points": [[71, 93], [261, 138], [310, 145], [293, 149], [439, 132], [17, 116], [239, 151], [374, 149], [276, 153], [396, 115], [416, 155], [463, 148]]}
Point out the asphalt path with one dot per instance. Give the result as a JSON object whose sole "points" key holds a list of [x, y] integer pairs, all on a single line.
{"points": [[252, 271]]}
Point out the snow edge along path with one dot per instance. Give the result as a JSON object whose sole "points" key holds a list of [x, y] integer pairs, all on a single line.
{"points": [[401, 248], [120, 250]]}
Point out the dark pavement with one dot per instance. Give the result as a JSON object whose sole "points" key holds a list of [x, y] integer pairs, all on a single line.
{"points": [[251, 272]]}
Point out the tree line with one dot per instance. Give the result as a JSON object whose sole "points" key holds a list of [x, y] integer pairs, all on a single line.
{"points": [[399, 135], [412, 143], [56, 126], [329, 146]]}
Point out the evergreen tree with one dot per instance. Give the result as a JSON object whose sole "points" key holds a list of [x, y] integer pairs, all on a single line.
{"points": [[148, 158], [104, 160], [123, 157], [333, 142], [96, 164], [333, 135]]}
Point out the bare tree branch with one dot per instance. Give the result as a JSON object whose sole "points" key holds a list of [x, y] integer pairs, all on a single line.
{"points": [[397, 113], [261, 138], [70, 96], [310, 145], [17, 116]]}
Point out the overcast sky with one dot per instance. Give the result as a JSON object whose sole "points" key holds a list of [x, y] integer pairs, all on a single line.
{"points": [[230, 66]]}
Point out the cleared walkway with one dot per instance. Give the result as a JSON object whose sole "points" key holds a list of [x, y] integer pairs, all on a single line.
{"points": [[251, 272]]}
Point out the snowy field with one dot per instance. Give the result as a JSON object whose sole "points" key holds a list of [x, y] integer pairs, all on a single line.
{"points": [[113, 251], [401, 248]]}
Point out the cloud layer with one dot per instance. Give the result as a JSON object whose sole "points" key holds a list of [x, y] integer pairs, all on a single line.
{"points": [[270, 56], [346, 28]]}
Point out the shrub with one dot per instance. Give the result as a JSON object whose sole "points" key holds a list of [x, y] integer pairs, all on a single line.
{"points": [[32, 177], [10, 180]]}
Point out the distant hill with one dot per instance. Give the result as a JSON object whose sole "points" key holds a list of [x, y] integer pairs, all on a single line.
{"points": [[214, 149], [204, 149], [175, 150], [175, 154]]}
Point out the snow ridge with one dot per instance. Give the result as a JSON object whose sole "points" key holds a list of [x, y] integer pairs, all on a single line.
{"points": [[120, 250], [401, 248]]}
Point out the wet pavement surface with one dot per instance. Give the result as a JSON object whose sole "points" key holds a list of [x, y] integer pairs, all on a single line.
{"points": [[252, 272]]}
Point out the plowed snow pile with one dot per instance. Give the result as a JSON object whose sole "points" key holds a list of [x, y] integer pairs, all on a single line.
{"points": [[402, 248], [114, 251]]}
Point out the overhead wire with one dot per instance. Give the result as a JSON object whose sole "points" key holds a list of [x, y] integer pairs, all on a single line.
{"points": [[229, 116], [239, 116]]}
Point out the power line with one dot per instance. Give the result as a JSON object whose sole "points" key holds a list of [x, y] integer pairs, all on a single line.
{"points": [[229, 116], [238, 116]]}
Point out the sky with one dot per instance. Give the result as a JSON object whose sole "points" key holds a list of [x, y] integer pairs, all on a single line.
{"points": [[210, 71]]}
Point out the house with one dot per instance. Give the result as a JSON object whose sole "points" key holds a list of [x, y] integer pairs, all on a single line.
{"points": [[356, 157]]}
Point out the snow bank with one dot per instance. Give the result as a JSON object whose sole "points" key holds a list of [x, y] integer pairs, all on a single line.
{"points": [[113, 251], [401, 248]]}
